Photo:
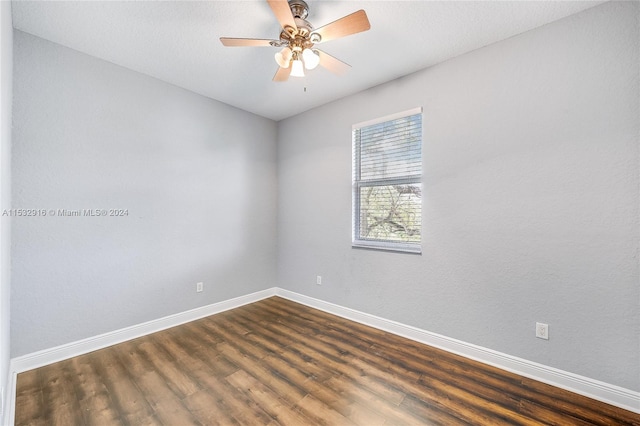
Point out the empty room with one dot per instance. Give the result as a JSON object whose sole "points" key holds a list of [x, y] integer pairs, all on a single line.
{"points": [[272, 212]]}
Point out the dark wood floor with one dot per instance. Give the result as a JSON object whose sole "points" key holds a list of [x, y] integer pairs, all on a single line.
{"points": [[276, 362]]}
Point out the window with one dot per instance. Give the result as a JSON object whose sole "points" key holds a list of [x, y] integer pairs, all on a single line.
{"points": [[387, 182]]}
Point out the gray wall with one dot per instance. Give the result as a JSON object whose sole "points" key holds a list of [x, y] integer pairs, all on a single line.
{"points": [[530, 159], [6, 70], [198, 179], [530, 212]]}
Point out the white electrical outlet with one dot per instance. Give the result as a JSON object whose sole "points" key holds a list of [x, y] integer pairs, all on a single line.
{"points": [[318, 280], [542, 331], [199, 287]]}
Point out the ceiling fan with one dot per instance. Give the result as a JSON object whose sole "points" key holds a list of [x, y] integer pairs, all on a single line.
{"points": [[298, 38]]}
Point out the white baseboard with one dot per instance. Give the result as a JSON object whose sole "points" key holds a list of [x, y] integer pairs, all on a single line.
{"points": [[69, 350], [80, 347], [10, 400], [605, 392], [611, 394]]}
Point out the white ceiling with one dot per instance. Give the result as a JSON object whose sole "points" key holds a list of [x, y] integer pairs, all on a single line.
{"points": [[177, 41]]}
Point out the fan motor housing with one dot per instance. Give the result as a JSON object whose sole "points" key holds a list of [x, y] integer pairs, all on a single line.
{"points": [[300, 11], [299, 39], [299, 8]]}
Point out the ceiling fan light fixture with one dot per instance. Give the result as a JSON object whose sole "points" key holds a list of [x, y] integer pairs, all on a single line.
{"points": [[297, 69], [297, 38], [283, 57], [311, 59]]}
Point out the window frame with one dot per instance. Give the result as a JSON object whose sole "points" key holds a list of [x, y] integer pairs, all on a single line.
{"points": [[358, 184]]}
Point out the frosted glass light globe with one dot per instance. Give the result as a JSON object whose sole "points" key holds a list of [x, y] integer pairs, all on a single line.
{"points": [[297, 69], [283, 57], [311, 59]]}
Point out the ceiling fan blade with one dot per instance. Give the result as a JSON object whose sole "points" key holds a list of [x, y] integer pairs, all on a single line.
{"points": [[333, 64], [283, 14], [347, 25], [241, 42], [282, 74]]}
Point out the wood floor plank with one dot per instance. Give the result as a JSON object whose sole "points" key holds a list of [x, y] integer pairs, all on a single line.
{"points": [[216, 363], [365, 336], [355, 386], [177, 379], [573, 405], [307, 376], [207, 409], [350, 392], [462, 401], [549, 417], [275, 379], [29, 398], [282, 379], [335, 346], [279, 410], [166, 403], [339, 360], [94, 399], [168, 408], [276, 362], [126, 396], [303, 361], [324, 415], [344, 406], [59, 397], [243, 410], [492, 383], [195, 331], [430, 413], [215, 403]]}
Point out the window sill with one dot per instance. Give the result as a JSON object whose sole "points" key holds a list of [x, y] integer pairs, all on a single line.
{"points": [[394, 247]]}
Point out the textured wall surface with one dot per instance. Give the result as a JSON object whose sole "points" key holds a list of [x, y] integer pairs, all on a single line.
{"points": [[6, 70], [530, 204], [198, 179]]}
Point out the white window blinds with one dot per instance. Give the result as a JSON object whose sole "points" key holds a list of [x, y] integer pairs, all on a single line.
{"points": [[387, 188]]}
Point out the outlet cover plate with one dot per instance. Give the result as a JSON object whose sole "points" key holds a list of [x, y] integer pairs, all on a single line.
{"points": [[542, 331]]}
